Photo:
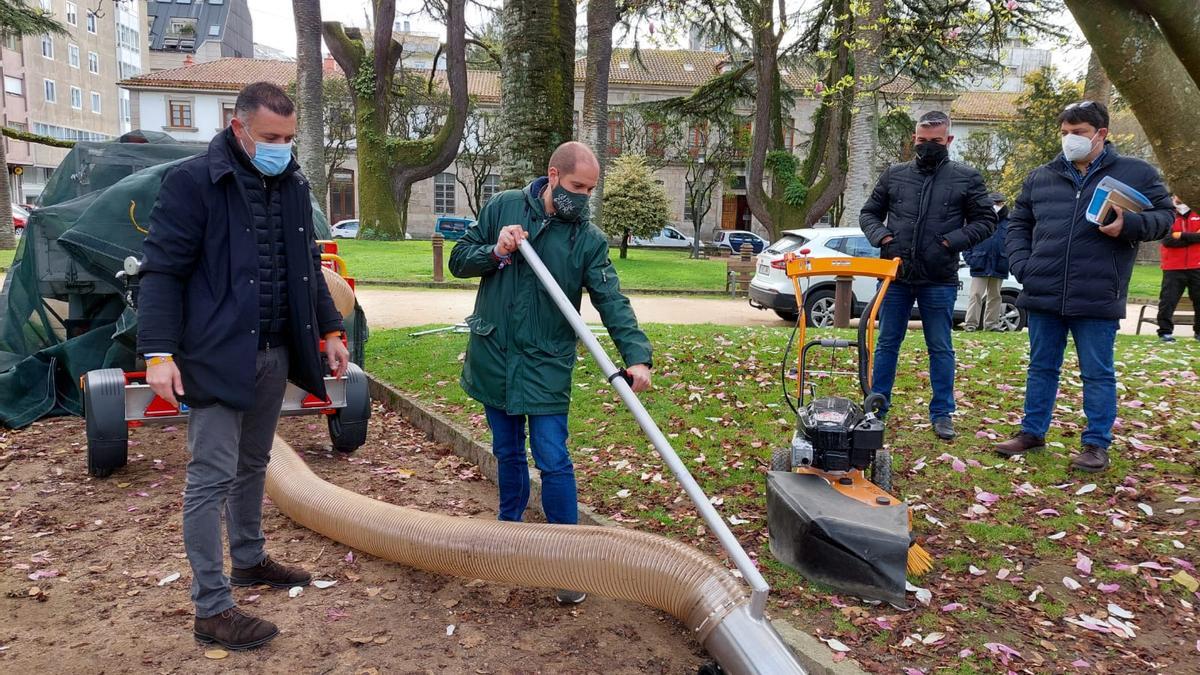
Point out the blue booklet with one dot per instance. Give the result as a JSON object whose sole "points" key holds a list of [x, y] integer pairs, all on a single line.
{"points": [[1111, 191]]}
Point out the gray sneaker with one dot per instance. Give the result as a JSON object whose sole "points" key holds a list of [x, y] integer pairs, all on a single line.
{"points": [[564, 597], [943, 428]]}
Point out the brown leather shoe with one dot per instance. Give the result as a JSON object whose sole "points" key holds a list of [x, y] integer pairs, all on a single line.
{"points": [[270, 573], [1093, 459], [234, 629], [1019, 444]]}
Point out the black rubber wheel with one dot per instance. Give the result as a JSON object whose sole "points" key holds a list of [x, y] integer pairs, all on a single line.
{"points": [[819, 308], [104, 416], [1012, 318], [881, 470], [348, 426], [781, 459], [787, 315], [710, 668]]}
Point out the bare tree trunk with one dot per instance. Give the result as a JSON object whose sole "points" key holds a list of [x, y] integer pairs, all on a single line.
{"points": [[1152, 77], [1097, 86], [8, 237], [864, 130], [308, 92], [1180, 24], [766, 71], [601, 17], [537, 91]]}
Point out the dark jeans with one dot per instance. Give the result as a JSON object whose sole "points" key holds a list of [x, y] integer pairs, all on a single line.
{"points": [[936, 303], [1173, 284], [1094, 340], [548, 442], [228, 469]]}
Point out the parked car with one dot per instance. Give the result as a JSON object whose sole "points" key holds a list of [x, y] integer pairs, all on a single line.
{"points": [[345, 229], [668, 236], [733, 239], [20, 216], [772, 289], [452, 227]]}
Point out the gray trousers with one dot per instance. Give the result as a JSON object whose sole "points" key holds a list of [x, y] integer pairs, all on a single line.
{"points": [[227, 472], [985, 302]]}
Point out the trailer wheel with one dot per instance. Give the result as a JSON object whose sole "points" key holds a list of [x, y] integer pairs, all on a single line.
{"points": [[104, 414], [348, 426], [881, 470], [781, 459]]}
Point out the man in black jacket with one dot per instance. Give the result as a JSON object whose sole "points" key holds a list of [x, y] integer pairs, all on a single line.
{"points": [[1075, 275], [925, 212], [233, 303]]}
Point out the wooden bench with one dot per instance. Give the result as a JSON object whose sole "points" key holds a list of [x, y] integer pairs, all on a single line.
{"points": [[1185, 311]]}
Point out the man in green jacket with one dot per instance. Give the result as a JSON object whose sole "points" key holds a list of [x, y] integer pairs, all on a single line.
{"points": [[522, 350]]}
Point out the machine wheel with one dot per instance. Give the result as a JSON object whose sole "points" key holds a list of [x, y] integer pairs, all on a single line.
{"points": [[881, 470], [104, 415], [781, 459], [819, 308], [348, 426], [710, 668]]}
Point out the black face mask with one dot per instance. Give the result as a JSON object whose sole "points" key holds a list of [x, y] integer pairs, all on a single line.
{"points": [[930, 154]]}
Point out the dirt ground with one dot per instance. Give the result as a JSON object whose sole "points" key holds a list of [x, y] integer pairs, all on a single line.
{"points": [[103, 553]]}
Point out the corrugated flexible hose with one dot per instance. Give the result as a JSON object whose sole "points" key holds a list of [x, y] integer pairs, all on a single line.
{"points": [[611, 562]]}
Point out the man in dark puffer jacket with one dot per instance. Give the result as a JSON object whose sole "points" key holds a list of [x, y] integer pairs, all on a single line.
{"points": [[935, 208], [1076, 275]]}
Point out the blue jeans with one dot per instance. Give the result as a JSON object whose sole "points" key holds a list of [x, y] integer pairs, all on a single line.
{"points": [[1094, 340], [936, 303], [548, 442]]}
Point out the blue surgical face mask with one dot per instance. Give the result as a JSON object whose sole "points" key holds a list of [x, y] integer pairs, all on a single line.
{"points": [[270, 158]]}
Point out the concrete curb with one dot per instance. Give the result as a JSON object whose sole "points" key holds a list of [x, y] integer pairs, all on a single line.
{"points": [[816, 658], [459, 286]]}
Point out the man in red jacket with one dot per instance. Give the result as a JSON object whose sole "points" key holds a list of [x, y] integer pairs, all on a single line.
{"points": [[1181, 269]]}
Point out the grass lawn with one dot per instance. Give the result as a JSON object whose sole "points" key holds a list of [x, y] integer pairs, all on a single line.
{"points": [[6, 258], [724, 414], [1145, 283], [413, 261]]}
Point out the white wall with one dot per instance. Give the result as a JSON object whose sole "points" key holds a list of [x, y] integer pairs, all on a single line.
{"points": [[153, 115]]}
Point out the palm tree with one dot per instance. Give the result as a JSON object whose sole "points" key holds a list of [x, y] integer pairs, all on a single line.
{"points": [[18, 20]]}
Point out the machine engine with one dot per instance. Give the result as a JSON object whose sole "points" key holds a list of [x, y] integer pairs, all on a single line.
{"points": [[836, 435]]}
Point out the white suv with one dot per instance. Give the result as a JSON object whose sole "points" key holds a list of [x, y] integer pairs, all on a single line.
{"points": [[772, 289]]}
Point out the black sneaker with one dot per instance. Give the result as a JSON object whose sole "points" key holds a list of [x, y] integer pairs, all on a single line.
{"points": [[565, 597], [944, 429], [1166, 338]]}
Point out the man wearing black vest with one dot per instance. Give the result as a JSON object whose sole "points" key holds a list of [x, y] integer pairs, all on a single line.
{"points": [[233, 304]]}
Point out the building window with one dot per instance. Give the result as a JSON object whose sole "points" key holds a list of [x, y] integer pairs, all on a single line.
{"points": [[228, 112], [48, 6], [14, 85], [491, 185], [73, 55], [443, 193], [91, 23], [216, 2], [789, 133], [51, 93], [656, 140], [214, 31], [616, 133], [123, 105], [66, 134], [95, 101], [48, 46], [687, 202], [72, 14], [11, 41], [180, 114], [575, 126], [697, 140], [93, 63], [76, 98]]}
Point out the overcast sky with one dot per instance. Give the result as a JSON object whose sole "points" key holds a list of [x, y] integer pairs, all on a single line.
{"points": [[274, 26]]}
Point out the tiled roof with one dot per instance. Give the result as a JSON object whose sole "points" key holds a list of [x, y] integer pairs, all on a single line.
{"points": [[985, 106], [227, 75]]}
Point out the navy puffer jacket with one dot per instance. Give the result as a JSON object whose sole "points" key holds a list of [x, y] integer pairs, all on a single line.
{"points": [[988, 259], [1066, 265], [932, 215]]}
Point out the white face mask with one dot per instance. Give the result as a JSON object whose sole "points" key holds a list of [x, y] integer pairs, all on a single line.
{"points": [[1182, 208], [997, 207], [1076, 147]]}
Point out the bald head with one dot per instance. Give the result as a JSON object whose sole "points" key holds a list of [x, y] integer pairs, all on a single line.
{"points": [[573, 155]]}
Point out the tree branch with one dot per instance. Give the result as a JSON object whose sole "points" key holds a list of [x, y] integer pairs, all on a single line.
{"points": [[36, 138]]}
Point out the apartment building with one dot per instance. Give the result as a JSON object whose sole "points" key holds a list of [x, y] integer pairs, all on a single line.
{"points": [[64, 86], [198, 31]]}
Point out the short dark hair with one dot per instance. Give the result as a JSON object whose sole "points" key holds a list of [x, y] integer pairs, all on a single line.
{"points": [[934, 118], [1085, 112], [263, 95]]}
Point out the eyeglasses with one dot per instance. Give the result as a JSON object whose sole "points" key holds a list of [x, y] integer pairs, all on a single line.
{"points": [[1081, 104]]}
